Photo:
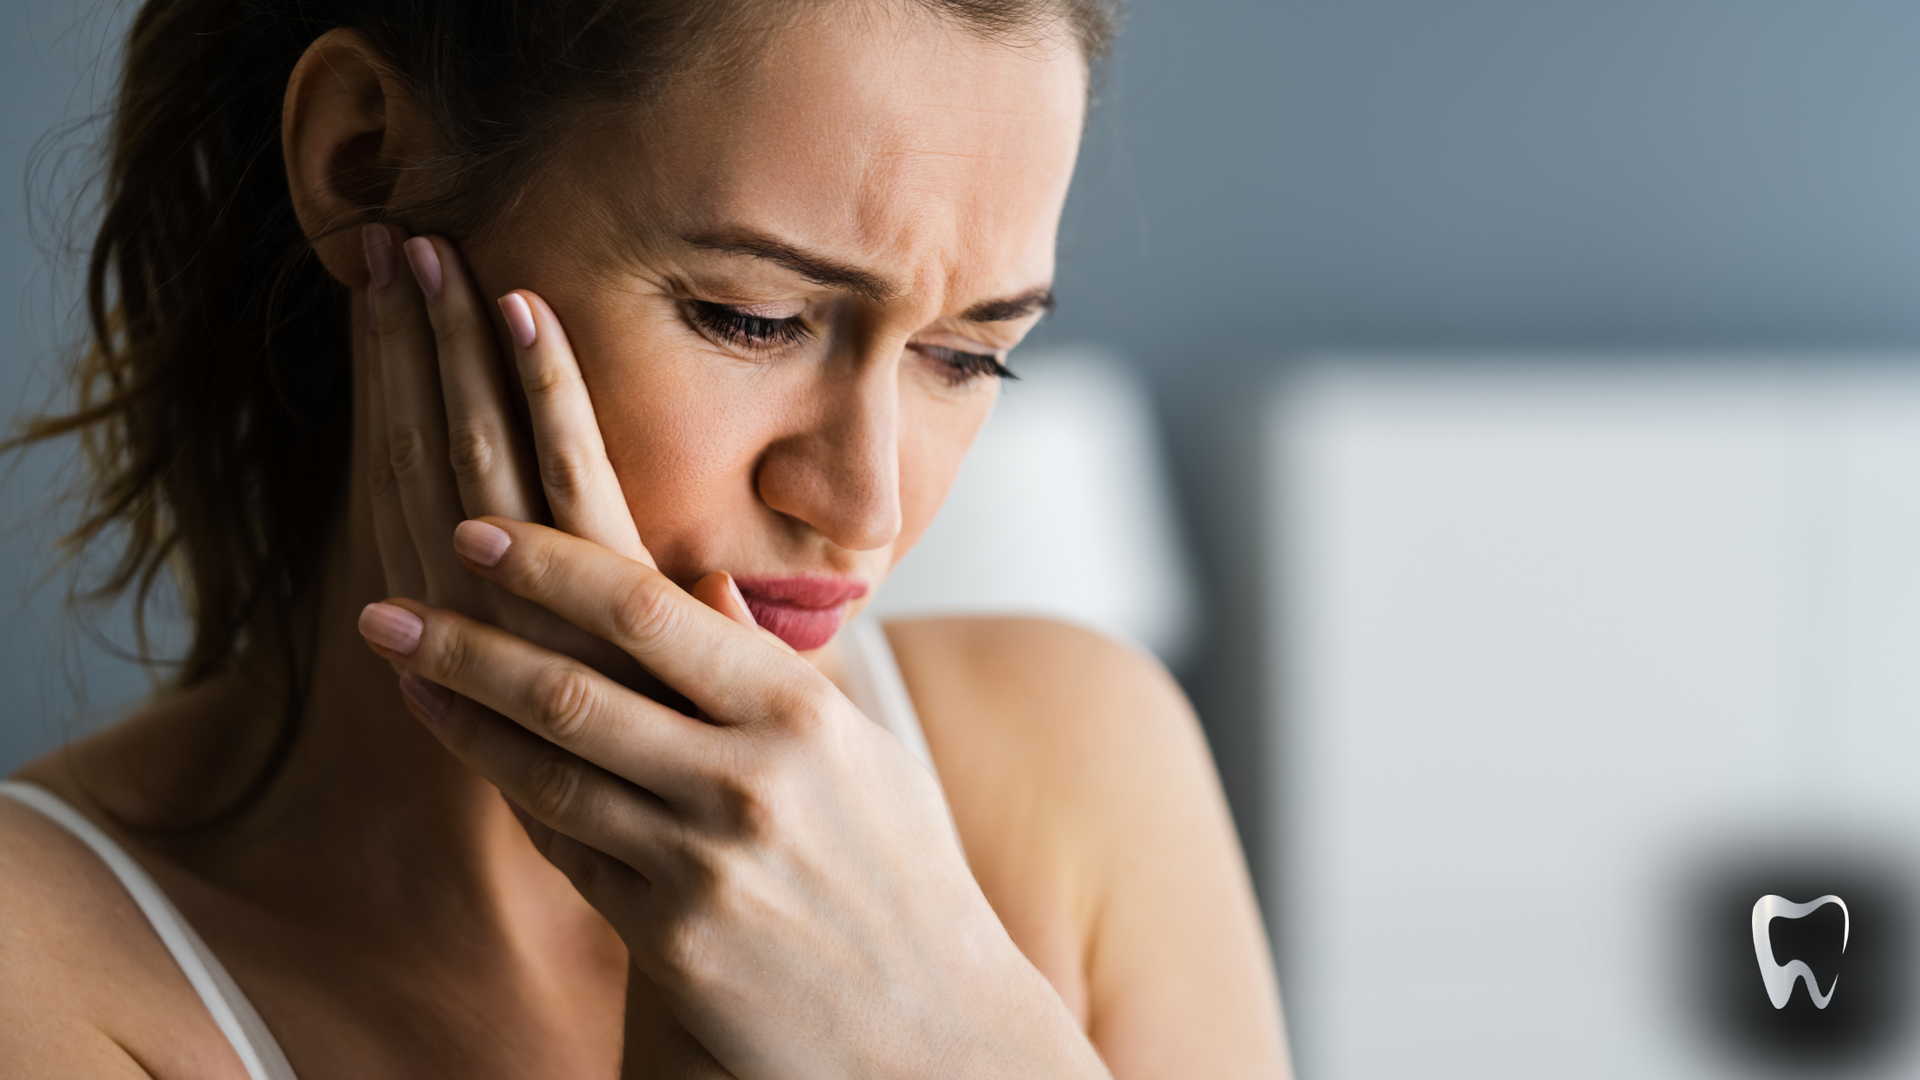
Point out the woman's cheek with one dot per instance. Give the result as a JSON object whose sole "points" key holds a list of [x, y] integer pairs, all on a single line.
{"points": [[661, 417], [934, 439], [685, 463]]}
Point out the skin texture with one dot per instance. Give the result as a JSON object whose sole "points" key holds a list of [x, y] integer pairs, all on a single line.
{"points": [[777, 891]]}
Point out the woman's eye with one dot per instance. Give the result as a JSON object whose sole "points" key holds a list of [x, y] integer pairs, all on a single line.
{"points": [[736, 327], [961, 368]]}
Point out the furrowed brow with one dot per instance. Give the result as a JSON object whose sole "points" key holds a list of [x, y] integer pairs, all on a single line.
{"points": [[817, 269], [1014, 307]]}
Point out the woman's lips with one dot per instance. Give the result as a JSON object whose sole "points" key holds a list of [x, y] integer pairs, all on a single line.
{"points": [[804, 611]]}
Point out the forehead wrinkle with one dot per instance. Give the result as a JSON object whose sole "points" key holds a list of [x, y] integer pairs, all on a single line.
{"points": [[946, 225]]}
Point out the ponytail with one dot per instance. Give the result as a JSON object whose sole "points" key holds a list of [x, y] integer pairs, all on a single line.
{"points": [[213, 394]]}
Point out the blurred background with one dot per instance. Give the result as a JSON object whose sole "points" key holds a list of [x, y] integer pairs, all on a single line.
{"points": [[1503, 416]]}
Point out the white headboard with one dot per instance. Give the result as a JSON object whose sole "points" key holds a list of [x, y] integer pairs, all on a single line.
{"points": [[1549, 638]]}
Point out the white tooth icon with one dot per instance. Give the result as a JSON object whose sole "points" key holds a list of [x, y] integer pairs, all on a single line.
{"points": [[1780, 979]]}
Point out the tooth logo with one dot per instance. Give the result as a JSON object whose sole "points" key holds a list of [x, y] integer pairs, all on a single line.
{"points": [[1780, 978]]}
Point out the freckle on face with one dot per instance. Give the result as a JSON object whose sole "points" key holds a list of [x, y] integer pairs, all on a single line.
{"points": [[836, 139]]}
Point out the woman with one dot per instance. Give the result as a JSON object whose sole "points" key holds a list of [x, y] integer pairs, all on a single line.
{"points": [[448, 791]]}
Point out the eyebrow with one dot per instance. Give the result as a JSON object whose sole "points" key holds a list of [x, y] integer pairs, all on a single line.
{"points": [[836, 275], [1017, 307], [820, 271]]}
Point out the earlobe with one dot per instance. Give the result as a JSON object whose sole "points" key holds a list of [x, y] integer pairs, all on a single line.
{"points": [[341, 146]]}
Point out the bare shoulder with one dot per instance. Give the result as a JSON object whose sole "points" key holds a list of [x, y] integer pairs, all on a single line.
{"points": [[86, 987], [56, 938], [1090, 739], [1093, 818], [1049, 686], [1010, 642]]}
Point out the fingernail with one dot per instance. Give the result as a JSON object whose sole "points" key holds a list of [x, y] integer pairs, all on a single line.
{"points": [[479, 542], [426, 265], [379, 248], [424, 694], [519, 318], [392, 628], [734, 588]]}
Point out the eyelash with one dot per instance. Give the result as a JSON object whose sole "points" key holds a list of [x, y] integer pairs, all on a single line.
{"points": [[739, 328], [732, 325], [964, 367]]}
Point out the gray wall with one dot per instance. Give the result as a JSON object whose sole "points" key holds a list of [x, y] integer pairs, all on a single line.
{"points": [[1275, 176], [54, 671], [1268, 179]]}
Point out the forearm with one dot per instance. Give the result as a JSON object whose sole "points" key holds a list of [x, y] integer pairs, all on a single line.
{"points": [[1021, 1029], [656, 1046]]}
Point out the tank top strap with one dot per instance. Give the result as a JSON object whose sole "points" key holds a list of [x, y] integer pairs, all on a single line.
{"points": [[875, 685], [236, 1017]]}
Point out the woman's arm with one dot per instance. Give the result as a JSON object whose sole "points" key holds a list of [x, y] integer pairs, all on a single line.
{"points": [[1180, 979], [1082, 784]]}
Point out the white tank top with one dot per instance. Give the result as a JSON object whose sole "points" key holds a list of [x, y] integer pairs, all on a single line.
{"points": [[874, 684]]}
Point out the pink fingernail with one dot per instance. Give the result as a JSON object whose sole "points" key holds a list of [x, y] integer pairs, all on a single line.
{"points": [[392, 628], [379, 248], [738, 598], [519, 318], [425, 695], [481, 543], [426, 265]]}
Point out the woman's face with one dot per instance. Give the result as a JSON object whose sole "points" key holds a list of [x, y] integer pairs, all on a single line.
{"points": [[789, 291]]}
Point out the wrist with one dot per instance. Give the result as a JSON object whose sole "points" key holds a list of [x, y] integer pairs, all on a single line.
{"points": [[1025, 1030]]}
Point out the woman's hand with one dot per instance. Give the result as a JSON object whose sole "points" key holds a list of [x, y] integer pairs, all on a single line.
{"points": [[787, 873], [783, 871], [441, 444]]}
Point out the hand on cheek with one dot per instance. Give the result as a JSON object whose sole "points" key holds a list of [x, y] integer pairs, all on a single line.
{"points": [[749, 854]]}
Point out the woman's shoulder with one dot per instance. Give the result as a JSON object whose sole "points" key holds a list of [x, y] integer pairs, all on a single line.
{"points": [[57, 898], [1088, 805], [56, 894], [1081, 746], [1043, 684], [86, 987], [1090, 736]]}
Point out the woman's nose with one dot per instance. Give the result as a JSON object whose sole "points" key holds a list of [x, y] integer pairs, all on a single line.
{"points": [[840, 472]]}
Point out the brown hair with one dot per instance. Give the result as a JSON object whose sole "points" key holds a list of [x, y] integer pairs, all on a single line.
{"points": [[214, 398]]}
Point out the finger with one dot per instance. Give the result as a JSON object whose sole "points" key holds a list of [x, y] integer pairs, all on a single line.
{"points": [[555, 788], [718, 591], [551, 695], [416, 418], [607, 883], [582, 490], [492, 473], [491, 466], [689, 646], [399, 559]]}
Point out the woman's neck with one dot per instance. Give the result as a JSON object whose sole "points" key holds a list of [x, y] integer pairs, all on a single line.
{"points": [[367, 807], [365, 786]]}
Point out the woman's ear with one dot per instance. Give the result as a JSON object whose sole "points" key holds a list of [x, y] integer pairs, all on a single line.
{"points": [[347, 133]]}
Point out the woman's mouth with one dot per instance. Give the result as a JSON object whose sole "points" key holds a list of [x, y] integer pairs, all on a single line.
{"points": [[804, 611]]}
